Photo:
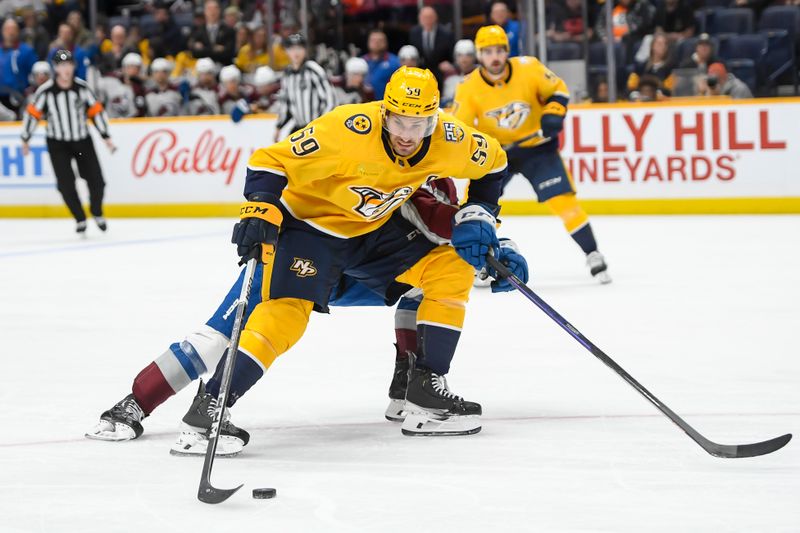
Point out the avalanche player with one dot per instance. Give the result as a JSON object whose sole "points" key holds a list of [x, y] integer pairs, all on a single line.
{"points": [[523, 104], [430, 210]]}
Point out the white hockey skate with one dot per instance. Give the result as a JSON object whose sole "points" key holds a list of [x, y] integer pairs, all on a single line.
{"points": [[121, 422], [598, 267], [192, 442], [432, 410], [396, 411]]}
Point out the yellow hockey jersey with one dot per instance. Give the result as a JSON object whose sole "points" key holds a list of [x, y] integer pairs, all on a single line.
{"points": [[344, 179], [510, 109]]}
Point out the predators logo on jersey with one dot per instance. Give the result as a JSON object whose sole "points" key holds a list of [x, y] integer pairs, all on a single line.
{"points": [[510, 116], [375, 204]]}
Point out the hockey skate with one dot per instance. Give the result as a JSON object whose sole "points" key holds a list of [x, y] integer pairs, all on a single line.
{"points": [[101, 223], [121, 422], [196, 426], [396, 411], [80, 228], [598, 267], [432, 410]]}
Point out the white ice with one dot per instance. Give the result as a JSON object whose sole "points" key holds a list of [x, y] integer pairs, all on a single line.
{"points": [[703, 311]]}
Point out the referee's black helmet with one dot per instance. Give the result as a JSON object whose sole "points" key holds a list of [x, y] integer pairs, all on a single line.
{"points": [[295, 39], [62, 56]]}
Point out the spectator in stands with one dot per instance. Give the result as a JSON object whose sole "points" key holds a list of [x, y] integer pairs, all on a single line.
{"points": [[649, 90], [111, 61], [83, 37], [600, 92], [232, 91], [213, 39], [163, 99], [267, 85], [659, 65], [567, 24], [124, 92], [16, 62], [255, 53], [382, 63], [434, 42], [500, 14], [355, 89], [33, 33], [720, 82], [204, 96], [408, 56], [675, 18], [703, 54], [232, 16], [243, 35], [466, 61], [167, 39], [280, 60], [631, 20]]}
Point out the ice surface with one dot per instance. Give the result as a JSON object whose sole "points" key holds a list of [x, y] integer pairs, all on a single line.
{"points": [[703, 311]]}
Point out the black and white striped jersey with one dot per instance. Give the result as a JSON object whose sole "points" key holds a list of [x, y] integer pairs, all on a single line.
{"points": [[66, 112], [305, 95]]}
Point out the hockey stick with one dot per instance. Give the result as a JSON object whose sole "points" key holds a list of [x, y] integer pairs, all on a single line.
{"points": [[207, 493], [527, 138], [717, 450]]}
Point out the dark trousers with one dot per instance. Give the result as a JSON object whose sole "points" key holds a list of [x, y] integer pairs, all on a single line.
{"points": [[61, 155]]}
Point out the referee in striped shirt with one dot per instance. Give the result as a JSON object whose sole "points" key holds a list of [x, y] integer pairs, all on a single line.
{"points": [[306, 93], [66, 103]]}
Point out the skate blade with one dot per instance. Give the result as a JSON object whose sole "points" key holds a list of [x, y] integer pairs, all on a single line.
{"points": [[111, 432], [396, 412], [603, 277], [424, 425], [191, 444]]}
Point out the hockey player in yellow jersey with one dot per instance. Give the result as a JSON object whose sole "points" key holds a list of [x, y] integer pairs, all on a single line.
{"points": [[522, 104], [324, 203]]}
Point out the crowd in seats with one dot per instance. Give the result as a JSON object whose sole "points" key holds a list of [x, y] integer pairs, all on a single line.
{"points": [[208, 56]]}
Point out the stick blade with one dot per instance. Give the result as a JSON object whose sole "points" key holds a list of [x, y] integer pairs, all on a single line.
{"points": [[210, 494], [749, 450]]}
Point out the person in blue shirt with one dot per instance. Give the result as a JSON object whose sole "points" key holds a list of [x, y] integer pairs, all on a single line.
{"points": [[66, 41], [381, 62], [16, 62], [501, 15]]}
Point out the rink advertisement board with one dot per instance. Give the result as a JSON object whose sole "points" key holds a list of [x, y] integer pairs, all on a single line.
{"points": [[687, 157]]}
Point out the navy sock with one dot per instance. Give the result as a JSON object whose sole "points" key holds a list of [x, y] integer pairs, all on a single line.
{"points": [[246, 372], [585, 239], [436, 346]]}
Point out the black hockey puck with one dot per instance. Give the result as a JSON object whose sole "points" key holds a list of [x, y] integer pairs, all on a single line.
{"points": [[264, 494]]}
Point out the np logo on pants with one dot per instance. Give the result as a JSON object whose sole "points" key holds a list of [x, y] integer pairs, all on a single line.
{"points": [[303, 267]]}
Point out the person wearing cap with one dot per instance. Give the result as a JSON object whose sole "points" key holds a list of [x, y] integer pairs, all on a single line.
{"points": [[306, 93], [703, 54], [124, 92], [204, 94], [233, 94], [434, 42], [382, 63], [67, 102], [523, 104], [465, 60], [16, 62], [720, 82], [40, 73], [353, 89], [408, 56], [213, 39], [163, 98]]}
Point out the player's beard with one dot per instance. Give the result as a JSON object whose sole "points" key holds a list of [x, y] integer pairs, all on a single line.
{"points": [[402, 147], [496, 67]]}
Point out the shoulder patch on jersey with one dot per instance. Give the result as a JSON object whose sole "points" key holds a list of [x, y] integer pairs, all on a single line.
{"points": [[359, 123], [453, 132]]}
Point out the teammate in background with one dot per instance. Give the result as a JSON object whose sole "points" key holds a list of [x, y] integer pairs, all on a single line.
{"points": [[354, 89], [267, 85], [523, 104], [430, 210], [67, 103], [408, 56], [163, 98], [203, 98], [232, 92], [464, 55], [306, 94], [124, 93]]}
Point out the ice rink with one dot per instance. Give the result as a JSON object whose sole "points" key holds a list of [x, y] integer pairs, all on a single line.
{"points": [[703, 311]]}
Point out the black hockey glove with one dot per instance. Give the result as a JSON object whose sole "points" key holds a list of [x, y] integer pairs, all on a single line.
{"points": [[256, 234]]}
